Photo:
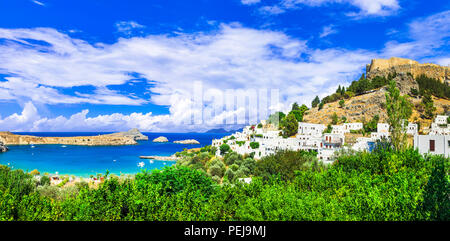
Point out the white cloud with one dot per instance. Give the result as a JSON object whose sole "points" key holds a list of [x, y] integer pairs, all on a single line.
{"points": [[327, 30], [43, 61], [38, 3], [366, 7], [128, 27], [250, 2], [429, 38]]}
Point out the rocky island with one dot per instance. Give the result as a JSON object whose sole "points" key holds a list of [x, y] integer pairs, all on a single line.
{"points": [[190, 141], [133, 133], [115, 139], [160, 139]]}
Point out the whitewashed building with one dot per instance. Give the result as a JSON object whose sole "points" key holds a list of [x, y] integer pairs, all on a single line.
{"points": [[353, 126], [338, 129], [433, 144], [310, 129], [412, 129], [441, 119]]}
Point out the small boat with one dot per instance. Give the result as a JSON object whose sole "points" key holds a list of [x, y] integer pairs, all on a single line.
{"points": [[32, 146], [63, 146], [164, 163], [114, 160], [151, 161], [141, 164]]}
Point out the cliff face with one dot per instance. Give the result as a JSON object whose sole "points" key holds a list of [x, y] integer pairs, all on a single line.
{"points": [[382, 67], [9, 138]]}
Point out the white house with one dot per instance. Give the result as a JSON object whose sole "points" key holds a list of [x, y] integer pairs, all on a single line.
{"points": [[325, 155], [441, 119], [362, 144], [353, 126], [412, 129], [310, 129], [338, 129], [433, 144]]}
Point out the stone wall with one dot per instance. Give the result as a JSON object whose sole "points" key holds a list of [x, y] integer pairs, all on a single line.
{"points": [[382, 67]]}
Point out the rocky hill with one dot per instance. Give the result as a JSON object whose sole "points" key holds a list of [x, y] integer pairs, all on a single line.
{"points": [[362, 108]]}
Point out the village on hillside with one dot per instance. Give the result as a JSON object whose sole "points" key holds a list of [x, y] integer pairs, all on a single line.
{"points": [[264, 139]]}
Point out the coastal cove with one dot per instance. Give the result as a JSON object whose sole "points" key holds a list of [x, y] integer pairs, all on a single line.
{"points": [[83, 161]]}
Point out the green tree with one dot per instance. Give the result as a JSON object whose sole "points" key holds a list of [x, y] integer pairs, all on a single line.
{"points": [[224, 148], [399, 109], [321, 105], [334, 119], [342, 103], [428, 104], [290, 125], [315, 102]]}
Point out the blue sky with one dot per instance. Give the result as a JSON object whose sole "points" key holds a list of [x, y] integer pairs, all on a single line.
{"points": [[111, 65]]}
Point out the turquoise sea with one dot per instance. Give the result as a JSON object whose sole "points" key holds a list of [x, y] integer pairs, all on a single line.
{"points": [[84, 161]]}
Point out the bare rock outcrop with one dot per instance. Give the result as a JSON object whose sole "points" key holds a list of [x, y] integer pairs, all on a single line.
{"points": [[3, 148], [384, 67], [9, 138]]}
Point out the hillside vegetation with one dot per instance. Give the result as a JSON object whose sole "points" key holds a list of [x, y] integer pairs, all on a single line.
{"points": [[365, 98]]}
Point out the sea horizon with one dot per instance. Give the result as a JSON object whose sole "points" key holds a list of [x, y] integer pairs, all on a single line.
{"points": [[84, 161]]}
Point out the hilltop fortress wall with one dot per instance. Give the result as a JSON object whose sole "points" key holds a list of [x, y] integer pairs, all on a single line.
{"points": [[382, 67]]}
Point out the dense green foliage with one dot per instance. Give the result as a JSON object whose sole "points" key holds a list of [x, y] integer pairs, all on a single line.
{"points": [[433, 86], [357, 87], [382, 185], [428, 106], [371, 126]]}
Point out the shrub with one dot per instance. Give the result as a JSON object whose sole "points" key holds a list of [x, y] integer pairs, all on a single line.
{"points": [[45, 180], [254, 145], [224, 148]]}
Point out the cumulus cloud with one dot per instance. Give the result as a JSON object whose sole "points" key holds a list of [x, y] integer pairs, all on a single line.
{"points": [[42, 62]]}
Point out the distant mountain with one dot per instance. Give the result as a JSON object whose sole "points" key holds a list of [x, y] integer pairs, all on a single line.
{"points": [[222, 130]]}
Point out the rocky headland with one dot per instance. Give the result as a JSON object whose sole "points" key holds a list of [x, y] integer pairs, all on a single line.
{"points": [[9, 138], [160, 139], [190, 141]]}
